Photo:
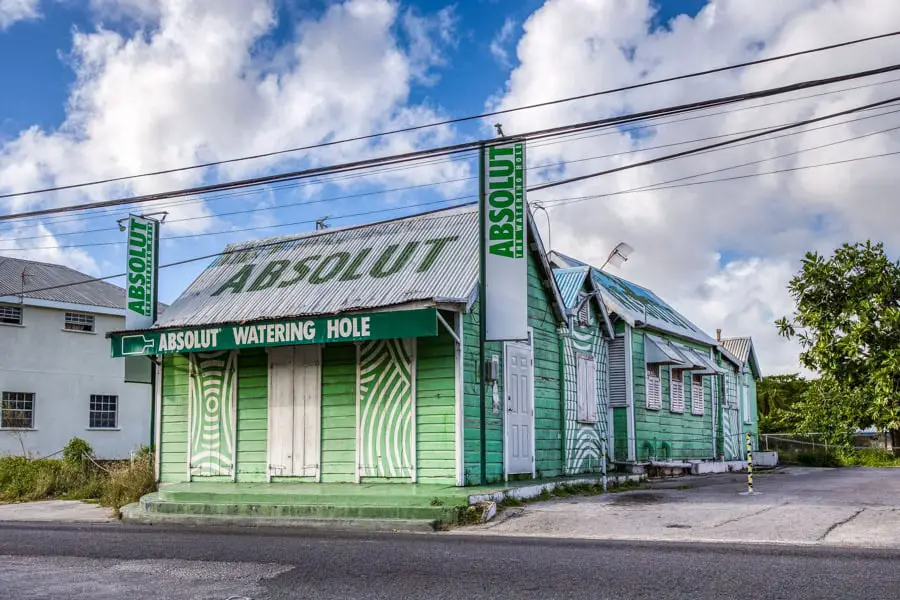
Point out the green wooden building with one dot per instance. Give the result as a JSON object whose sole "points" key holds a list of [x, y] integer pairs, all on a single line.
{"points": [[665, 377], [351, 356], [739, 410]]}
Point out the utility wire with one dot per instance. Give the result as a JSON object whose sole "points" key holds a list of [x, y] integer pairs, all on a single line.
{"points": [[418, 186], [703, 149], [556, 202], [105, 213], [456, 148], [464, 119]]}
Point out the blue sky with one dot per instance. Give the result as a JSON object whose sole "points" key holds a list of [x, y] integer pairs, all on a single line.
{"points": [[41, 70]]}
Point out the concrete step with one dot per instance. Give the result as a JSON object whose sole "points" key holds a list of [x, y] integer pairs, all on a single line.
{"points": [[297, 508], [135, 513], [293, 496]]}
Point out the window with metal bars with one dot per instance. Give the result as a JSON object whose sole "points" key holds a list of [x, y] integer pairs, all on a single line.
{"points": [[677, 391], [104, 411], [79, 322], [10, 315], [654, 388], [17, 410]]}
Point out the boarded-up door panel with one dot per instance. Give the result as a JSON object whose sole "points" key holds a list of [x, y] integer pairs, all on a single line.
{"points": [[386, 409], [211, 402], [294, 411], [519, 410]]}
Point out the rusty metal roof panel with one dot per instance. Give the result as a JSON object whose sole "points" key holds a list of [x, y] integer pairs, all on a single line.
{"points": [[739, 347], [430, 257]]}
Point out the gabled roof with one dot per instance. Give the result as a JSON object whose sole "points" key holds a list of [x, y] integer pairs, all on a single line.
{"points": [[572, 282], [429, 258], [637, 305], [39, 275], [742, 349]]}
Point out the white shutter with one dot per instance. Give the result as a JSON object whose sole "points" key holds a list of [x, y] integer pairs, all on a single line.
{"points": [[745, 391], [696, 394], [584, 314], [617, 383], [654, 388], [677, 389], [586, 381]]}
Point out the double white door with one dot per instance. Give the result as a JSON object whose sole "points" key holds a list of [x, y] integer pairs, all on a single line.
{"points": [[295, 405]]}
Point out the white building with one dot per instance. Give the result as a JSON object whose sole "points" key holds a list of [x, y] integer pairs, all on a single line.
{"points": [[57, 380]]}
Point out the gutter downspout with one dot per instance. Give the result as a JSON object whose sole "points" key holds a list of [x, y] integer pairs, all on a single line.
{"points": [[563, 359], [629, 395]]}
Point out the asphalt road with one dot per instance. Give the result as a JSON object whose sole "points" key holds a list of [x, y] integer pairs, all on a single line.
{"points": [[115, 561]]}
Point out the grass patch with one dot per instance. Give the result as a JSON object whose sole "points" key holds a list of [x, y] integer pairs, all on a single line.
{"points": [[821, 457], [77, 477]]}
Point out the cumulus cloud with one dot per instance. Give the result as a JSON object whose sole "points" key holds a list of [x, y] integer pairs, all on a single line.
{"points": [[198, 82], [499, 45], [722, 253], [12, 11]]}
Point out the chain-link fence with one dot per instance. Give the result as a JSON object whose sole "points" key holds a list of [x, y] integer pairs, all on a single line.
{"points": [[799, 442]]}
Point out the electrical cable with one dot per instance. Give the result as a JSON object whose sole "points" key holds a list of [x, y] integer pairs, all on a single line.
{"points": [[464, 119]]}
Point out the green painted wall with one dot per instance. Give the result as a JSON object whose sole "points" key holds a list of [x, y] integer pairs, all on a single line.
{"points": [[339, 413], [436, 408], [690, 436], [620, 433], [174, 420], [252, 413], [753, 427], [547, 405]]}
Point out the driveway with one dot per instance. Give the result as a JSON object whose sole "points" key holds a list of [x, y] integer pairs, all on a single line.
{"points": [[838, 507]]}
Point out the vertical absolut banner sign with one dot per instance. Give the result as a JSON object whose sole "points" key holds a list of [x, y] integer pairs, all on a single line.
{"points": [[503, 206], [141, 271]]}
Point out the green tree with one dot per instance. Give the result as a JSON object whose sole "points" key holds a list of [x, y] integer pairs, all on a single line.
{"points": [[776, 397], [847, 321]]}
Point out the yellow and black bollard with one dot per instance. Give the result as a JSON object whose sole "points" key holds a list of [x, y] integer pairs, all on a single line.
{"points": [[749, 491]]}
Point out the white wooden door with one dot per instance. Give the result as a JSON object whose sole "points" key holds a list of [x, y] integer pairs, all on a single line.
{"points": [[519, 409], [294, 411]]}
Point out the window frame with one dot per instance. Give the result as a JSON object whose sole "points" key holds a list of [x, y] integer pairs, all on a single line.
{"points": [[5, 396], [654, 400], [745, 402], [698, 412], [680, 380], [103, 411], [586, 399], [78, 320], [12, 307]]}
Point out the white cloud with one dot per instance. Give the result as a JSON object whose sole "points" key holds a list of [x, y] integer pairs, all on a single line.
{"points": [[50, 251], [12, 11], [500, 42], [721, 253], [196, 83]]}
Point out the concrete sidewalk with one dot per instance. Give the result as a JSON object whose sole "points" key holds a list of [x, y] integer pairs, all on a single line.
{"points": [[58, 511], [840, 507]]}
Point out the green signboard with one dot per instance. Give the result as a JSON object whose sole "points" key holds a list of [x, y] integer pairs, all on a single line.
{"points": [[287, 332]]}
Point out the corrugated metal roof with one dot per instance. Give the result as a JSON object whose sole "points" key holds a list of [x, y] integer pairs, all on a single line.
{"points": [[40, 275], [429, 257], [739, 347], [638, 304], [570, 283]]}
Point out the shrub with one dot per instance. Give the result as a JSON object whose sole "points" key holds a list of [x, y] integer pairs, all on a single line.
{"points": [[128, 481], [78, 452]]}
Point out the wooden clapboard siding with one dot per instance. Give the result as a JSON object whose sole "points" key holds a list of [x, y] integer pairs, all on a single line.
{"points": [[339, 413], [436, 408], [252, 415], [173, 425]]}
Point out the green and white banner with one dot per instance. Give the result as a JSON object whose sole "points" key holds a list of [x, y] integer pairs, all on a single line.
{"points": [[140, 273], [287, 332], [504, 241]]}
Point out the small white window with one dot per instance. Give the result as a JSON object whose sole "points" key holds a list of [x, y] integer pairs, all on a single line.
{"points": [[677, 390], [654, 388], [104, 411], [745, 400], [79, 322], [697, 403], [17, 410], [10, 315], [586, 388]]}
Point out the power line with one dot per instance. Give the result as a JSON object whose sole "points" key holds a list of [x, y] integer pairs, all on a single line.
{"points": [[464, 119], [103, 213], [711, 146], [405, 188], [456, 148], [556, 202]]}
